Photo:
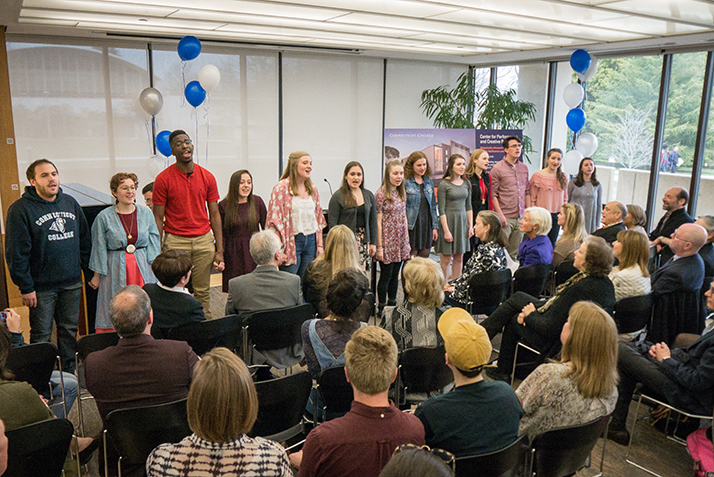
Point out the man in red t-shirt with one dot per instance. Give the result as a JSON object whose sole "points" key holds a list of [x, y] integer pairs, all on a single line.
{"points": [[181, 193]]}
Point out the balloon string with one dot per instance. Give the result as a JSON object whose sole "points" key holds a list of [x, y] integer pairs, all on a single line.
{"points": [[195, 115], [206, 104], [148, 137], [183, 91]]}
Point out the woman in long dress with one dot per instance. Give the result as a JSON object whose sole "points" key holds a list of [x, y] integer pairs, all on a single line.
{"points": [[586, 191], [125, 241], [242, 212], [455, 216]]}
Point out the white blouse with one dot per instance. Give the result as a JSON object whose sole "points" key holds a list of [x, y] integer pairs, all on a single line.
{"points": [[304, 221]]}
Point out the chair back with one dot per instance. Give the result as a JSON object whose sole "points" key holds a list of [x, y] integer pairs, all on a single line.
{"points": [[633, 313], [203, 336], [33, 364], [276, 329], [336, 392], [281, 402], [95, 342], [38, 449], [675, 313], [564, 271], [507, 462], [564, 451], [423, 370], [488, 289], [137, 431], [532, 279]]}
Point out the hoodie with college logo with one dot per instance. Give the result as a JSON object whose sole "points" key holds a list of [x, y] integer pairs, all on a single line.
{"points": [[47, 244]]}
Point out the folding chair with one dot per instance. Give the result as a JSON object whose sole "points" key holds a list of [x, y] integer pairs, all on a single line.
{"points": [[634, 313], [137, 431], [274, 329], [39, 449], [421, 370], [532, 279], [336, 392], [487, 290], [203, 336], [507, 462]]}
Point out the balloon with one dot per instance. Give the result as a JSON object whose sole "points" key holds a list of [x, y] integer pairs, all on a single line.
{"points": [[573, 95], [590, 72], [151, 100], [189, 48], [571, 161], [209, 77], [587, 144], [195, 94], [580, 61], [162, 143], [575, 119]]}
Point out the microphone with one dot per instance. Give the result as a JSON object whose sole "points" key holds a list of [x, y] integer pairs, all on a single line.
{"points": [[328, 185]]}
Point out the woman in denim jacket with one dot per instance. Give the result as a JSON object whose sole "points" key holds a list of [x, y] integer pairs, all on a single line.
{"points": [[421, 204]]}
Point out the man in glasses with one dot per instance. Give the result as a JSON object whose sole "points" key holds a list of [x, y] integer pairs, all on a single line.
{"points": [[181, 194], [684, 271], [478, 416], [361, 443]]}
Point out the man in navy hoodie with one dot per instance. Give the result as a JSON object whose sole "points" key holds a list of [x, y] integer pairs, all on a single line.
{"points": [[47, 244]]}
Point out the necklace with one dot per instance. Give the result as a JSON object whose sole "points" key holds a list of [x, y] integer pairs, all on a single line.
{"points": [[129, 229]]}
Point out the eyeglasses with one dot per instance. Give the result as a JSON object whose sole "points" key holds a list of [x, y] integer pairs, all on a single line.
{"points": [[445, 456], [127, 188], [187, 142]]}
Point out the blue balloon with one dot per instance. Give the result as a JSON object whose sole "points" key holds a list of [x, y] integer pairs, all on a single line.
{"points": [[580, 61], [575, 119], [195, 94], [189, 48], [162, 143]]}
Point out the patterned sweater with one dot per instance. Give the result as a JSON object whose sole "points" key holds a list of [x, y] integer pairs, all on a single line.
{"points": [[488, 257], [629, 282], [244, 456]]}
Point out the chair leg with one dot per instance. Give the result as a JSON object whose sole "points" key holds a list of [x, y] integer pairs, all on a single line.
{"points": [[629, 444], [76, 446], [104, 442], [515, 361]]}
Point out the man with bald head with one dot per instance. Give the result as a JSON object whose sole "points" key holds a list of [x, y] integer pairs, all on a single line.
{"points": [[674, 203], [685, 270], [612, 216]]}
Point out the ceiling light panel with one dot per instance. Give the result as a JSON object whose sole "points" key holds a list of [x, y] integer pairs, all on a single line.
{"points": [[678, 10], [99, 7]]}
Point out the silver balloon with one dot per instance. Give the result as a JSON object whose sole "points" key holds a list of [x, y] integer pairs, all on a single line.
{"points": [[151, 100]]}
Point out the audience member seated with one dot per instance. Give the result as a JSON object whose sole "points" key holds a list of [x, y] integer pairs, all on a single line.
{"points": [[478, 416], [222, 407], [583, 385], [674, 203], [20, 404], [171, 302], [683, 376], [340, 253], [419, 461], [489, 256], [538, 324], [324, 341], [71, 387], [536, 247], [572, 220], [635, 219], [139, 370], [631, 277], [685, 271], [266, 287], [413, 323], [361, 443], [707, 250], [612, 216]]}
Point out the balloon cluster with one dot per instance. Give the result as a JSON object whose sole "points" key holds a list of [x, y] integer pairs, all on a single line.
{"points": [[195, 91], [585, 67]]}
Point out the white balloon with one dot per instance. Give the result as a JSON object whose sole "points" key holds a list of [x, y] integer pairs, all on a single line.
{"points": [[573, 94], [571, 161], [209, 76], [151, 100], [590, 71], [586, 144]]}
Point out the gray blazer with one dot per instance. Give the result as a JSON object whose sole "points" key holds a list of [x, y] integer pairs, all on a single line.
{"points": [[264, 288], [337, 214]]}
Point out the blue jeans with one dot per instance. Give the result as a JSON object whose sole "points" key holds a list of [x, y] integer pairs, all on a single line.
{"points": [[71, 388], [62, 307], [305, 251]]}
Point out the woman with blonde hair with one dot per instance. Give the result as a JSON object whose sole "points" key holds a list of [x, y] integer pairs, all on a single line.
{"points": [[340, 253], [222, 408], [489, 256], [392, 233], [413, 323], [631, 277], [455, 215], [572, 220], [295, 213], [583, 385], [478, 176], [422, 217], [536, 247]]}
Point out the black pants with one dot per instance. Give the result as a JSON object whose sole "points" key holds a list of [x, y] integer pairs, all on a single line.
{"points": [[505, 319], [554, 230], [388, 284]]}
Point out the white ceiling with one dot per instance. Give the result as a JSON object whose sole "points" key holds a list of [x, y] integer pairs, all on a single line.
{"points": [[469, 31]]}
